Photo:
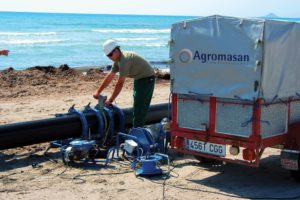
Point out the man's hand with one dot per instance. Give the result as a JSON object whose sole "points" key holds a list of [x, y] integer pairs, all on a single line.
{"points": [[108, 102], [4, 52], [96, 94]]}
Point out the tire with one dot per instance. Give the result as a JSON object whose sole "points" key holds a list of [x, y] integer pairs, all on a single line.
{"points": [[204, 160], [296, 175]]}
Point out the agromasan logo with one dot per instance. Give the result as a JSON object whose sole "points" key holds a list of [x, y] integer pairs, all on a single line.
{"points": [[186, 56]]}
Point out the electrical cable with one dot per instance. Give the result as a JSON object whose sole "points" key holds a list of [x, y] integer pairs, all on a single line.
{"points": [[78, 177]]}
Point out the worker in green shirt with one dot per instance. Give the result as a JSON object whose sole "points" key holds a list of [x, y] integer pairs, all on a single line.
{"points": [[4, 52], [131, 65]]}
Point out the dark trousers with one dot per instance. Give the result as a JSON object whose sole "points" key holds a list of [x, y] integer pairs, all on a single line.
{"points": [[142, 95]]}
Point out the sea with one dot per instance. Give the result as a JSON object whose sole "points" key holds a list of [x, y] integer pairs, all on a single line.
{"points": [[43, 39]]}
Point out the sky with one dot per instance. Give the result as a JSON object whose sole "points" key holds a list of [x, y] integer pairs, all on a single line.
{"points": [[236, 8]]}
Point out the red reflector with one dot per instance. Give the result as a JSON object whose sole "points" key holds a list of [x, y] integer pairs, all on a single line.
{"points": [[249, 154], [178, 142]]}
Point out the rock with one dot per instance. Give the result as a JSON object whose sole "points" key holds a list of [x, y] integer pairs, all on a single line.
{"points": [[94, 71], [7, 70], [64, 67], [46, 69], [161, 74], [106, 68]]}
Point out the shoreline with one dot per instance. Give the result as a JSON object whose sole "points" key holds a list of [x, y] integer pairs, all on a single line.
{"points": [[104, 68]]}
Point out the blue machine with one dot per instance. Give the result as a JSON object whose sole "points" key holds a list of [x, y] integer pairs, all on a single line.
{"points": [[88, 146], [145, 148], [149, 165], [79, 150]]}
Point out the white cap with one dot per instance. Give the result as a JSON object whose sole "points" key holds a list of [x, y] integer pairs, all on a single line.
{"points": [[109, 46]]}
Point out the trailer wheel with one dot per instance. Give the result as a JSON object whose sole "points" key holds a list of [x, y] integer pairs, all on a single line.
{"points": [[296, 174], [204, 160]]}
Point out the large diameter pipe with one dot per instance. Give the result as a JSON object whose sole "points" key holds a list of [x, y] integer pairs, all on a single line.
{"points": [[69, 126]]}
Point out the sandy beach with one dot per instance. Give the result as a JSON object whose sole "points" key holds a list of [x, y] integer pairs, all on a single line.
{"points": [[25, 173]]}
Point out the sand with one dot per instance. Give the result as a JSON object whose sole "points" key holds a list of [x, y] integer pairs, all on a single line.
{"points": [[25, 173]]}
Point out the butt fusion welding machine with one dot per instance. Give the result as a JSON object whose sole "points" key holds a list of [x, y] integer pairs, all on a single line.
{"points": [[145, 148], [92, 142]]}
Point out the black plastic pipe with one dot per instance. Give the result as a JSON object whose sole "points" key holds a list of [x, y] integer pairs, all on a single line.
{"points": [[69, 126]]}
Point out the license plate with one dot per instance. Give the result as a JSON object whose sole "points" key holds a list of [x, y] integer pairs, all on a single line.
{"points": [[205, 147]]}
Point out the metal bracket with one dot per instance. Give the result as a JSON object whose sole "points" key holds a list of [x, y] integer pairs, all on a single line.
{"points": [[89, 109], [84, 123], [121, 118]]}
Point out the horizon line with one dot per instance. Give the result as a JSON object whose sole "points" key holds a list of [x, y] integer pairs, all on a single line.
{"points": [[99, 13], [46, 12]]}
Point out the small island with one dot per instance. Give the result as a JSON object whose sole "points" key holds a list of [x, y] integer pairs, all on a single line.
{"points": [[271, 15]]}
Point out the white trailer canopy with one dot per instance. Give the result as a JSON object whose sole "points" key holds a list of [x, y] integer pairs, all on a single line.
{"points": [[235, 58]]}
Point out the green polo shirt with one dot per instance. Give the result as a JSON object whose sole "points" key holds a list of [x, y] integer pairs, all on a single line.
{"points": [[133, 66]]}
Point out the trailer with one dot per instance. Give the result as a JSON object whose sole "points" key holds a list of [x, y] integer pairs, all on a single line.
{"points": [[235, 87]]}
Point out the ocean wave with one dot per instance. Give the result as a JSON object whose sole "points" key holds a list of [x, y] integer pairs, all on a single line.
{"points": [[27, 33], [147, 45], [132, 30], [135, 39], [29, 42], [155, 45]]}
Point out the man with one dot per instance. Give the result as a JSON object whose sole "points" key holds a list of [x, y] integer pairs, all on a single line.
{"points": [[4, 52], [131, 65]]}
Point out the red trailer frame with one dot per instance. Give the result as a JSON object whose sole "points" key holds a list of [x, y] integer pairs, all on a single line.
{"points": [[253, 146]]}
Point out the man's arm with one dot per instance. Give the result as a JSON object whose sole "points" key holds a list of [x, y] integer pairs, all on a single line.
{"points": [[117, 90], [4, 52], [108, 78]]}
